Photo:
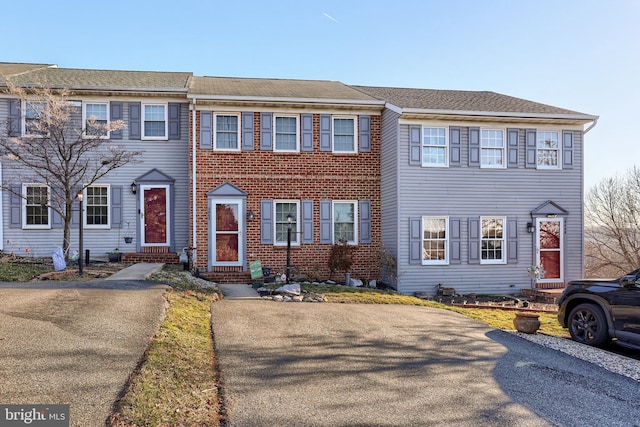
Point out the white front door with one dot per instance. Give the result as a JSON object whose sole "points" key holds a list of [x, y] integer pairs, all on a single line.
{"points": [[549, 248], [154, 215], [227, 232]]}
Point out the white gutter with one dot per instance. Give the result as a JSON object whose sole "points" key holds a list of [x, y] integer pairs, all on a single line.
{"points": [[286, 99], [595, 122], [192, 106], [501, 114]]}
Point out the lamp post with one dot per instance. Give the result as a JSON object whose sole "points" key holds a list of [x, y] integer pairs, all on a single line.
{"points": [[80, 248], [289, 219]]}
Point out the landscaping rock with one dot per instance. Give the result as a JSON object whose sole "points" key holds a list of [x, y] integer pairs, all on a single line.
{"points": [[292, 289]]}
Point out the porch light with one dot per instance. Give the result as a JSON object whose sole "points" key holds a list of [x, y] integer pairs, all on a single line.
{"points": [[251, 216], [530, 227], [80, 237], [134, 187]]}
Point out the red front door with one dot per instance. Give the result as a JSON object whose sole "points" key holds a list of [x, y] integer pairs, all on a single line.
{"points": [[154, 215]]}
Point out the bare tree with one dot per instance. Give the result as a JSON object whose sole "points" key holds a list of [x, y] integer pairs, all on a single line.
{"points": [[57, 149], [612, 230]]}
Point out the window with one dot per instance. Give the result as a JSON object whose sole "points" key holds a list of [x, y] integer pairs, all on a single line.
{"points": [[548, 150], [284, 208], [35, 212], [227, 131], [344, 135], [286, 135], [492, 247], [434, 147], [492, 149], [435, 240], [34, 119], [154, 117], [96, 118], [344, 222], [96, 206]]}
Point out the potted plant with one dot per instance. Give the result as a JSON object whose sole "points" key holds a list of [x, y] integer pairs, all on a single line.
{"points": [[114, 255]]}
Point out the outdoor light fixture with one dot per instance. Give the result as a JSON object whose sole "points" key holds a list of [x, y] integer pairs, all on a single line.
{"points": [[250, 216], [530, 227], [80, 248], [134, 187], [289, 220]]}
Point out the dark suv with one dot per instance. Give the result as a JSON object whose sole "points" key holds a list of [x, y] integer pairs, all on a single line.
{"points": [[596, 311]]}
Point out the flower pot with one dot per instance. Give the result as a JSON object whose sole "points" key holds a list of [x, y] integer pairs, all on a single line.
{"points": [[128, 239], [114, 257], [527, 323]]}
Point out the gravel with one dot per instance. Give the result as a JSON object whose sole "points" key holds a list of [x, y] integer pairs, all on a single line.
{"points": [[612, 362]]}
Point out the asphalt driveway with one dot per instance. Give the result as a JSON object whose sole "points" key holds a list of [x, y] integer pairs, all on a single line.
{"points": [[305, 364], [74, 343]]}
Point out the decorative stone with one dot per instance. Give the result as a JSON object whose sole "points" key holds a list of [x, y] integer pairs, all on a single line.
{"points": [[330, 282], [527, 323], [356, 283], [373, 283], [292, 289], [297, 298], [287, 298], [277, 298]]}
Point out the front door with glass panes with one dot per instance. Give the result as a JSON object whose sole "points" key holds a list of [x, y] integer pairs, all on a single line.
{"points": [[549, 248], [154, 215], [227, 232]]}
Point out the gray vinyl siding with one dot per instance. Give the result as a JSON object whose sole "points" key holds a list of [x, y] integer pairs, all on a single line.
{"points": [[466, 192], [389, 183], [169, 157]]}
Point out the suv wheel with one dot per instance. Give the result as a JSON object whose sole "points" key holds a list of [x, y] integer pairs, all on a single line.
{"points": [[587, 325]]}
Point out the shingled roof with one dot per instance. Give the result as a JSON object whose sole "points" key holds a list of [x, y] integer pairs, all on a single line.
{"points": [[102, 79], [8, 69], [244, 88], [463, 101]]}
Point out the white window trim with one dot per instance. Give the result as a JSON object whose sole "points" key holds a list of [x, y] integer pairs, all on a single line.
{"points": [[23, 117], [215, 131], [277, 150], [445, 261], [24, 208], [84, 214], [503, 260], [561, 249], [445, 147], [355, 134], [504, 149], [355, 220], [84, 119], [295, 232], [559, 149], [166, 122]]}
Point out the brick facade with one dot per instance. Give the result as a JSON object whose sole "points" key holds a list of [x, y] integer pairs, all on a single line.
{"points": [[316, 175]]}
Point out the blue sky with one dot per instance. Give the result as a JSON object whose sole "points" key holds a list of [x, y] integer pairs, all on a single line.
{"points": [[581, 55]]}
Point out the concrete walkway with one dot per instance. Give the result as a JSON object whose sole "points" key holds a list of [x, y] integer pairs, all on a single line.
{"points": [[138, 271], [238, 291]]}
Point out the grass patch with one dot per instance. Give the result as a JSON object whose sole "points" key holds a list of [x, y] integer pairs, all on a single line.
{"points": [[176, 383], [16, 272], [494, 317]]}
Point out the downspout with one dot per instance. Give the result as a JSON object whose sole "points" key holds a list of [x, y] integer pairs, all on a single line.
{"points": [[593, 124], [193, 183]]}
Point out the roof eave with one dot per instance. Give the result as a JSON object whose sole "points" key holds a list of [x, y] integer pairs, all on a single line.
{"points": [[499, 114], [285, 100]]}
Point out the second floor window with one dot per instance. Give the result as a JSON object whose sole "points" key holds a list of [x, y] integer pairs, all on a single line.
{"points": [[492, 249], [35, 123], [548, 150], [434, 147], [286, 133], [227, 132], [154, 117], [492, 149], [344, 135], [96, 117]]}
